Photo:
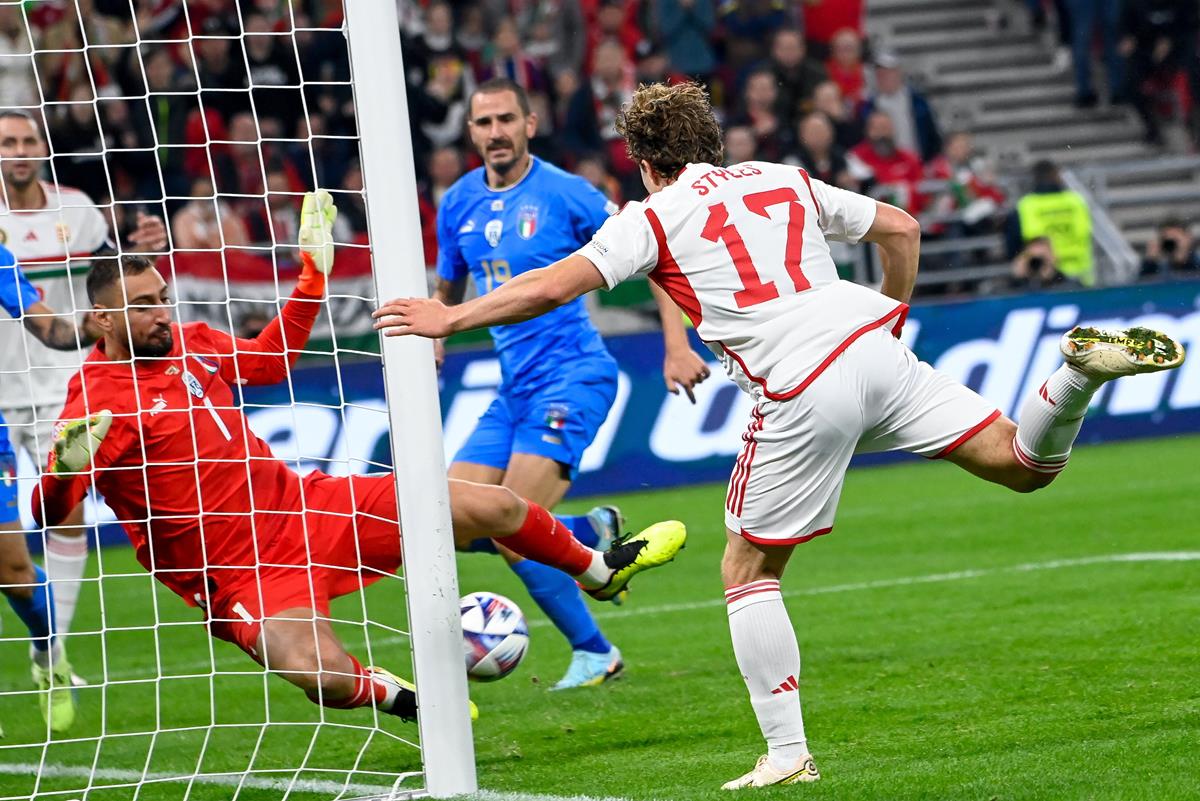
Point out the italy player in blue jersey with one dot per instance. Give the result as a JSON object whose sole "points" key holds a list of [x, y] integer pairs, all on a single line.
{"points": [[23, 582], [558, 381]]}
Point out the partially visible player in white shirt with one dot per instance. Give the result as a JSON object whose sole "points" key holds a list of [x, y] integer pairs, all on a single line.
{"points": [[49, 226], [742, 250]]}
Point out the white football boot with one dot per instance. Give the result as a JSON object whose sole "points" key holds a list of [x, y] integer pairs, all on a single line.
{"points": [[1107, 354], [765, 774]]}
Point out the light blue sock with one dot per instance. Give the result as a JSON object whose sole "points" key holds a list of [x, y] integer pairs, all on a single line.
{"points": [[581, 526], [558, 596], [37, 612]]}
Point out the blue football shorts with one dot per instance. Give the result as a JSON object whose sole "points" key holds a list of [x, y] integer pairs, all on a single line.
{"points": [[9, 510], [557, 421]]}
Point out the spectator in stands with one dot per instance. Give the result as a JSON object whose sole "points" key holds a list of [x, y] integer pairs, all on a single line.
{"points": [[748, 24], [820, 154], [206, 222], [740, 145], [445, 167], [1172, 250], [591, 123], [759, 111], [553, 33], [845, 66], [18, 86], [686, 28], [351, 222], [509, 60], [273, 71], [971, 191], [1059, 215], [219, 68], [1159, 42], [653, 66], [827, 99], [446, 91], [1035, 267], [615, 20], [436, 40], [1086, 17], [824, 18], [892, 174], [281, 222], [77, 145], [252, 323], [796, 75], [912, 116]]}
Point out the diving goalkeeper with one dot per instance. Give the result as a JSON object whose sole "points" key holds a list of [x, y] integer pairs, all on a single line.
{"points": [[152, 419]]}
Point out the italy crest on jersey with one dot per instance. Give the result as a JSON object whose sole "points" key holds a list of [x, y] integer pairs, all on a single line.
{"points": [[527, 221]]}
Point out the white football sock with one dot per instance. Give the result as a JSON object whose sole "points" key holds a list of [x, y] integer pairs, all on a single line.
{"points": [[769, 658], [598, 573], [66, 561], [1050, 420]]}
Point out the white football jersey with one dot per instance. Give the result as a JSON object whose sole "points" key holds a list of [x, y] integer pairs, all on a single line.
{"points": [[70, 225], [742, 251]]}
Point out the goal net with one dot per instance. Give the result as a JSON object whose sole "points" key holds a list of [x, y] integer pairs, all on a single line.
{"points": [[217, 117]]}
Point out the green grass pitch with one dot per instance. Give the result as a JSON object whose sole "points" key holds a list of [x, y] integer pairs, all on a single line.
{"points": [[958, 642]]}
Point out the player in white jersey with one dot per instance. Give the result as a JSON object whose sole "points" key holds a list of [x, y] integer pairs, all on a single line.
{"points": [[743, 251], [52, 230]]}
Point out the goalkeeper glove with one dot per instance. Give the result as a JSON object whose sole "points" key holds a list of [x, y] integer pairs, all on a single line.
{"points": [[316, 240], [76, 443]]}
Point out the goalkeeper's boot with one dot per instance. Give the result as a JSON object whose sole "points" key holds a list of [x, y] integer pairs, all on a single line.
{"points": [[405, 705], [765, 774], [57, 698], [651, 547], [1108, 354], [608, 522], [589, 669]]}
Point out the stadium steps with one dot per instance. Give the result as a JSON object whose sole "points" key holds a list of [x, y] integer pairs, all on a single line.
{"points": [[986, 71]]}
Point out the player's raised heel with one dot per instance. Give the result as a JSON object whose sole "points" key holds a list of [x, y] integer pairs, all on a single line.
{"points": [[766, 775], [405, 705], [1110, 354], [649, 548]]}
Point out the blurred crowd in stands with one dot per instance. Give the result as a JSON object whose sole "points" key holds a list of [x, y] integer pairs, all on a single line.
{"points": [[794, 81]]}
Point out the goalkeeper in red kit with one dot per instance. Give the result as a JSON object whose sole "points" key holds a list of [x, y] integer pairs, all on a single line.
{"points": [[153, 421]]}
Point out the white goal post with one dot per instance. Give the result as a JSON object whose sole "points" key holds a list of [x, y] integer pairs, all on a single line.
{"points": [[412, 397]]}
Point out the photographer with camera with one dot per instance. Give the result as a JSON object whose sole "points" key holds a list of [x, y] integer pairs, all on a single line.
{"points": [[1172, 251]]}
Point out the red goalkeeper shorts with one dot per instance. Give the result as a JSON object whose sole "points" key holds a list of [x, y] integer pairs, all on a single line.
{"points": [[345, 537]]}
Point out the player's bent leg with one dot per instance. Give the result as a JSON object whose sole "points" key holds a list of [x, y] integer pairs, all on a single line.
{"points": [[768, 657], [991, 455], [304, 650]]}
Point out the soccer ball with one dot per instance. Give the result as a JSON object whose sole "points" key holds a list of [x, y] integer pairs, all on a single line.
{"points": [[495, 637]]}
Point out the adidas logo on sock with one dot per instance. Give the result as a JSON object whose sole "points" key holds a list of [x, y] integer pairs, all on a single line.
{"points": [[789, 685]]}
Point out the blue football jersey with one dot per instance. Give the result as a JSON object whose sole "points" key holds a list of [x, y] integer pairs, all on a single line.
{"points": [[496, 234], [16, 293]]}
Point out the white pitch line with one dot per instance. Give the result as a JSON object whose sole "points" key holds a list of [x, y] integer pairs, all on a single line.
{"points": [[220, 779], [340, 789], [689, 606]]}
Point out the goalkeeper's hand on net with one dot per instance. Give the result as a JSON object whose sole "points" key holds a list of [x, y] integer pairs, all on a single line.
{"points": [[76, 443], [316, 240]]}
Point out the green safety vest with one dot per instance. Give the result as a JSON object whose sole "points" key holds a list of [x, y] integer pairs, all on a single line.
{"points": [[1064, 219]]}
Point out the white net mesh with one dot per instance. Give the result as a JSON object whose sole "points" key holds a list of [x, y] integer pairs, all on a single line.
{"points": [[217, 120]]}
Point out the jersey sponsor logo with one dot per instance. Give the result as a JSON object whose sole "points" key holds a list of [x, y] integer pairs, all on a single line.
{"points": [[208, 364], [599, 246], [31, 236], [63, 232], [160, 403], [492, 231], [172, 370], [467, 227], [193, 384], [527, 222], [497, 205]]}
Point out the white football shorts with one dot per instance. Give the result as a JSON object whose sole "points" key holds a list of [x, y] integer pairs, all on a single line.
{"points": [[876, 396]]}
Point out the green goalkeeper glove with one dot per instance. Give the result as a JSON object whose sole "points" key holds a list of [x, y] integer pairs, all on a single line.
{"points": [[316, 238], [76, 443]]}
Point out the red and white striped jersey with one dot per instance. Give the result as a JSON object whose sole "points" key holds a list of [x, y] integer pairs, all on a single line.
{"points": [[742, 250]]}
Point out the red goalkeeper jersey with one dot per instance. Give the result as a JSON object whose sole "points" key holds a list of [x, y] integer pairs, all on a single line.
{"points": [[196, 491]]}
